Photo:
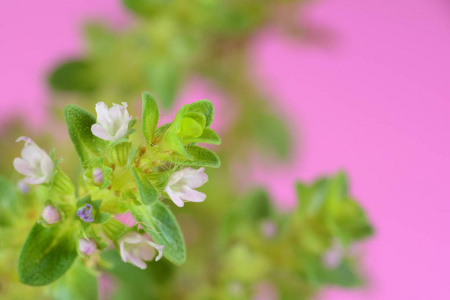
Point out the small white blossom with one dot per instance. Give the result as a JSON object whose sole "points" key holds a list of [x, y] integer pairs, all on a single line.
{"points": [[137, 248], [51, 215], [87, 247], [35, 163], [182, 184], [112, 123]]}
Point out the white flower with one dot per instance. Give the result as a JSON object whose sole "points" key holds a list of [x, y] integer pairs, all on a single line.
{"points": [[87, 247], [137, 248], [112, 123], [182, 185], [35, 163]]}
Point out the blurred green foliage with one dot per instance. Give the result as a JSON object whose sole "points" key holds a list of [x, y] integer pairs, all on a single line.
{"points": [[234, 242]]}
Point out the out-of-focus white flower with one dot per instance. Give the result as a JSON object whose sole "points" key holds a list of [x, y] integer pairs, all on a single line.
{"points": [[137, 248], [265, 291], [51, 214], [269, 229], [23, 187], [182, 184], [87, 247], [35, 163], [112, 123], [333, 257]]}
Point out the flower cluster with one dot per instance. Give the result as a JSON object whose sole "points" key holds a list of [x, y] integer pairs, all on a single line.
{"points": [[119, 178]]}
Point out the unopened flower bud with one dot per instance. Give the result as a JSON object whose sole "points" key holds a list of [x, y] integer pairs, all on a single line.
{"points": [[98, 176], [51, 214], [87, 247], [85, 213]]}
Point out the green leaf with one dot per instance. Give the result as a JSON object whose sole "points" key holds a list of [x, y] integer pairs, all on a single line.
{"points": [[173, 142], [144, 7], [201, 157], [73, 76], [159, 222], [164, 79], [175, 126], [312, 198], [257, 205], [343, 275], [208, 136], [199, 117], [79, 123], [146, 190], [190, 128], [8, 202], [271, 134], [150, 116], [115, 229], [78, 283], [47, 254], [206, 108]]}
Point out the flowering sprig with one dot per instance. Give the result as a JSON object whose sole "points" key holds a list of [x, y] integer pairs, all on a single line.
{"points": [[118, 177]]}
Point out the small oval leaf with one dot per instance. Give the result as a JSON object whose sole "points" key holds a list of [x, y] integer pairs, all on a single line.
{"points": [[199, 157], [206, 108], [47, 254], [79, 123], [159, 222], [150, 116], [146, 190]]}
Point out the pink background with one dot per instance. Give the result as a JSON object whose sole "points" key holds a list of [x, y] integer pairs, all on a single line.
{"points": [[375, 102]]}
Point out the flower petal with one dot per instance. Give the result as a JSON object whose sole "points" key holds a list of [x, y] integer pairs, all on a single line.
{"points": [[101, 132], [123, 252], [146, 252], [32, 180], [22, 167], [121, 132], [160, 249], [174, 196], [177, 176], [32, 154], [137, 261], [192, 195], [103, 115], [196, 179], [47, 166]]}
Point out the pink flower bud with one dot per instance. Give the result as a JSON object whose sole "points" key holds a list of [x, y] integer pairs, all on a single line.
{"points": [[87, 247], [51, 214], [97, 174]]}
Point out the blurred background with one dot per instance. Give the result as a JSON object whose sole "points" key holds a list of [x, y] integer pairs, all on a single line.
{"points": [[365, 89]]}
